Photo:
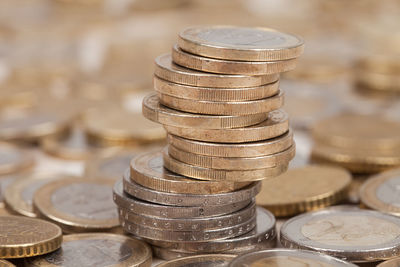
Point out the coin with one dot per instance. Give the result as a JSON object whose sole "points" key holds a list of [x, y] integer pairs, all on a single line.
{"points": [[221, 66], [390, 263], [287, 257], [215, 94], [78, 204], [351, 234], [147, 169], [4, 263], [276, 125], [13, 159], [380, 192], [240, 43], [97, 249], [224, 108], [154, 111], [250, 149], [303, 189], [232, 163], [216, 260], [167, 70], [4, 211], [27, 237]]}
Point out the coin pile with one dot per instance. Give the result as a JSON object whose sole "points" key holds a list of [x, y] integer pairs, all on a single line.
{"points": [[218, 98]]}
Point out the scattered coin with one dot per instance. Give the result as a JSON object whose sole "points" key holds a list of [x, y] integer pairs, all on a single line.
{"points": [[390, 263], [4, 263], [14, 159], [216, 260]]}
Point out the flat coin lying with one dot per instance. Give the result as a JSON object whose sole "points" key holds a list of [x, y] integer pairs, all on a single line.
{"points": [[13, 159], [215, 260]]}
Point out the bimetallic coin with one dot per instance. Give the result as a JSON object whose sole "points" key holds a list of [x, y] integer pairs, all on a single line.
{"points": [[78, 204], [277, 124], [167, 70], [13, 159], [352, 234], [390, 263], [287, 257], [304, 189], [154, 111], [97, 249], [4, 263], [240, 43], [215, 260], [22, 237]]}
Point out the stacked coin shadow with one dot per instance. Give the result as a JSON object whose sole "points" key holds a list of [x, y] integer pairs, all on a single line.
{"points": [[217, 96]]}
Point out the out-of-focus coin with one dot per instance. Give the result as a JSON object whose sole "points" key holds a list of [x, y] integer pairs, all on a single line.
{"points": [[13, 159], [4, 263], [148, 170], [304, 189], [27, 237], [78, 204], [97, 249], [381, 192], [216, 260], [167, 70], [4, 211], [222, 66], [215, 94], [390, 263], [276, 125], [352, 234], [5, 181], [287, 257], [224, 108], [250, 149], [240, 43], [154, 111]]}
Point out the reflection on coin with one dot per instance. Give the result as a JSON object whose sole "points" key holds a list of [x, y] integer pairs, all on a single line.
{"points": [[97, 249], [78, 204], [4, 263], [287, 257], [390, 263], [13, 159], [215, 260], [26, 237], [351, 234]]}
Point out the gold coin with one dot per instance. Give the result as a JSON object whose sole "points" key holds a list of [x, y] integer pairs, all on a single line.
{"points": [[304, 189], [277, 124], [224, 108], [4, 263], [378, 81], [167, 70], [232, 163], [381, 192], [215, 94], [22, 237], [221, 66], [78, 204], [250, 149], [154, 111], [379, 64], [218, 260], [240, 43], [97, 249], [14, 159], [390, 263]]}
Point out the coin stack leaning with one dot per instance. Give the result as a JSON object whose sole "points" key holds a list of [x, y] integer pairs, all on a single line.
{"points": [[218, 98]]}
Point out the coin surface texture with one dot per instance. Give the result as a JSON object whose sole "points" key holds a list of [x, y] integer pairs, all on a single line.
{"points": [[216, 260]]}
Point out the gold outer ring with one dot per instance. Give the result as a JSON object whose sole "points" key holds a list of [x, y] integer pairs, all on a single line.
{"points": [[198, 260]]}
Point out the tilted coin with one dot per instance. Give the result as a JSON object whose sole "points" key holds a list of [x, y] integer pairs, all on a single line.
{"points": [[232, 163], [276, 125], [167, 70], [147, 169], [27, 237], [154, 111], [174, 199], [250, 149], [97, 249], [215, 94], [303, 189], [13, 159], [352, 234], [137, 206], [240, 43], [381, 192], [287, 257], [216, 260], [390, 263], [4, 263], [78, 204], [222, 66], [224, 108]]}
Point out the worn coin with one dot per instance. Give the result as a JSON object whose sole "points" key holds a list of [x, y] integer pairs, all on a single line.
{"points": [[216, 260]]}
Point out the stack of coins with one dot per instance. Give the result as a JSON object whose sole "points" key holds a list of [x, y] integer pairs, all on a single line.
{"points": [[219, 100]]}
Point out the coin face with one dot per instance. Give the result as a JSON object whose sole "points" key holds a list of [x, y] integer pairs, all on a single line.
{"points": [[13, 159], [201, 260]]}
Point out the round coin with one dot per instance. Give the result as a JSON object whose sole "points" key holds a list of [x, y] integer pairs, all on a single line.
{"points": [[287, 257], [22, 237], [390, 263], [277, 124], [240, 43], [154, 111], [4, 263], [78, 204], [13, 159], [352, 234], [97, 249], [216, 260], [167, 70]]}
